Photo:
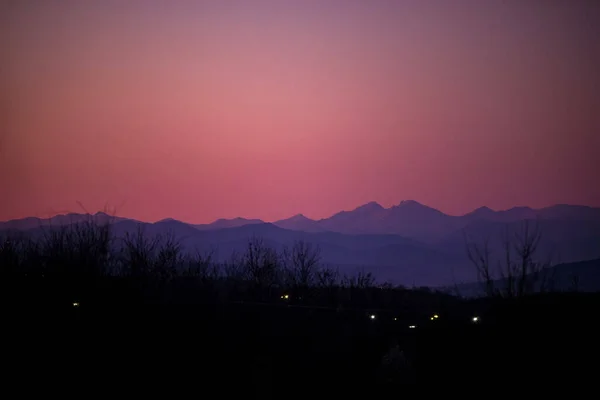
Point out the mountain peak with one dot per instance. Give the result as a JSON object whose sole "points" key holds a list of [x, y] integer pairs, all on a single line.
{"points": [[372, 205], [404, 203], [298, 217], [165, 220], [299, 222], [483, 210], [414, 208]]}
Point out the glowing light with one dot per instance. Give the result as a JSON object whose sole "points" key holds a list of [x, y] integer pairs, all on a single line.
{"points": [[285, 296], [412, 326], [475, 319], [372, 316], [75, 304]]}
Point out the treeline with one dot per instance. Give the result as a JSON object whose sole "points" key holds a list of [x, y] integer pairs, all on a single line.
{"points": [[81, 286], [80, 259]]}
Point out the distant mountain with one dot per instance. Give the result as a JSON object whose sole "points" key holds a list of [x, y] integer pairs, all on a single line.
{"points": [[409, 243], [561, 240], [299, 223], [412, 219], [228, 223], [390, 258], [583, 276], [569, 213], [367, 218], [409, 218], [58, 220]]}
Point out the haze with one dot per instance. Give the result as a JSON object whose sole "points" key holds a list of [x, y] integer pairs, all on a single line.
{"points": [[199, 110]]}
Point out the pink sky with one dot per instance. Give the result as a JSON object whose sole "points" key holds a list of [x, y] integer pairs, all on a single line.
{"points": [[198, 110]]}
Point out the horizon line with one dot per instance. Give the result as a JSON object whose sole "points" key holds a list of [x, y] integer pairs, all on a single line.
{"points": [[67, 213]]}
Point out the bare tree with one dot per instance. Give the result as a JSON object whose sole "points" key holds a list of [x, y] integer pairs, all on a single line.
{"points": [[139, 252], [479, 255], [520, 272], [361, 280], [233, 268], [13, 249], [169, 258], [261, 266], [200, 265], [301, 262], [327, 282], [327, 277]]}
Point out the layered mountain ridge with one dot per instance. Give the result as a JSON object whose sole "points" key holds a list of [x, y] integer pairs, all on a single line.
{"points": [[408, 243]]}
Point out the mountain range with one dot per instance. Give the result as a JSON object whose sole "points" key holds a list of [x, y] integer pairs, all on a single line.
{"points": [[409, 243]]}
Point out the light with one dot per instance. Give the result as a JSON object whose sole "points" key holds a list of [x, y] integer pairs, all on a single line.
{"points": [[285, 296], [435, 316], [395, 319], [372, 316], [75, 304], [475, 319], [412, 326]]}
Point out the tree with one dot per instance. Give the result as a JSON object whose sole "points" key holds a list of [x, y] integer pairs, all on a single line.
{"points": [[139, 252], [520, 272], [261, 266], [301, 263]]}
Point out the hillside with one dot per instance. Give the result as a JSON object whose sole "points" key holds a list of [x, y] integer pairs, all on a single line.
{"points": [[409, 244]]}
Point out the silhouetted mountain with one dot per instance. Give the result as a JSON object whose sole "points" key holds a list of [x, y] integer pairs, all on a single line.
{"points": [[582, 276], [299, 223], [482, 213], [58, 220], [561, 240], [569, 212], [407, 243], [409, 218], [415, 220], [228, 223], [364, 219], [412, 219]]}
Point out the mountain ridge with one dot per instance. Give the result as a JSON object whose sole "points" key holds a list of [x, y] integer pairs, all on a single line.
{"points": [[408, 218], [430, 253]]}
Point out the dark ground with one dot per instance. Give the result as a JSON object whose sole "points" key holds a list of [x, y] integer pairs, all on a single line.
{"points": [[261, 349]]}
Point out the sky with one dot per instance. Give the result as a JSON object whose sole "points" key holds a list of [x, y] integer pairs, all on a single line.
{"points": [[198, 110]]}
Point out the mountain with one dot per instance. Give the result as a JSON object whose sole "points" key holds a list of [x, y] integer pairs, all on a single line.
{"points": [[583, 276], [299, 223], [569, 213], [409, 218], [561, 240], [228, 223], [58, 220], [390, 258], [409, 243], [367, 218], [412, 219]]}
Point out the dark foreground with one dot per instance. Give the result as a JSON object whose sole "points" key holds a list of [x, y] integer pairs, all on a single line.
{"points": [[276, 350]]}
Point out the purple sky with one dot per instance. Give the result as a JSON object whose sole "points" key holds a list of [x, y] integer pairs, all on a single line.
{"points": [[198, 110]]}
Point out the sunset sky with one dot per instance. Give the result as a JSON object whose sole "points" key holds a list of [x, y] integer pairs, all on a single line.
{"points": [[198, 110]]}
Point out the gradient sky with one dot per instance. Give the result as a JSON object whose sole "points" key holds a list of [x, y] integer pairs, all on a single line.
{"points": [[198, 110]]}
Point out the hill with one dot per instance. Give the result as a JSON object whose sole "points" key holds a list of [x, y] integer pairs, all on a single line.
{"points": [[582, 276], [409, 244]]}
